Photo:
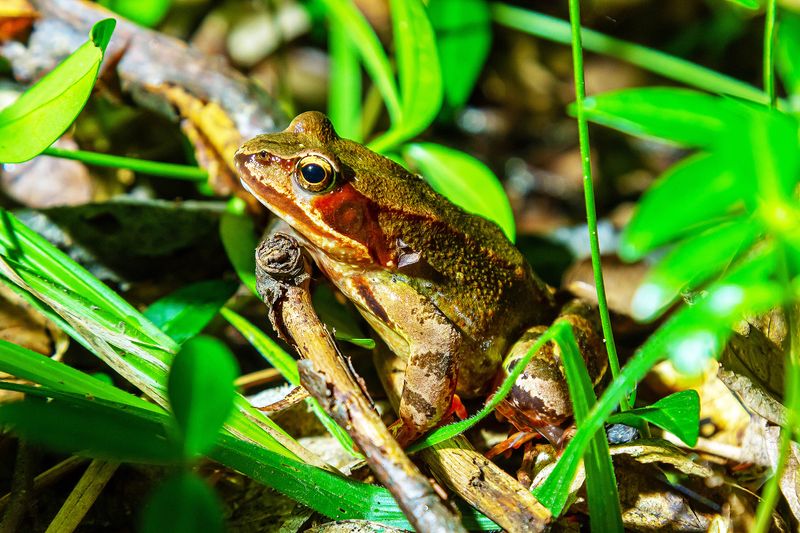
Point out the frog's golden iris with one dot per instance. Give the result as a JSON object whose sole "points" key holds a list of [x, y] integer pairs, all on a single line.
{"points": [[314, 173]]}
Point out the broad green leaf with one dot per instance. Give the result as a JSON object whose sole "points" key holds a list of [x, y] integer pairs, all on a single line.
{"points": [[375, 61], [463, 37], [678, 413], [201, 391], [43, 112], [682, 116], [465, 181], [185, 312], [601, 485], [419, 72], [92, 429], [344, 96], [287, 366], [716, 186], [145, 12], [691, 263], [239, 240], [339, 319], [787, 58], [772, 142], [183, 503]]}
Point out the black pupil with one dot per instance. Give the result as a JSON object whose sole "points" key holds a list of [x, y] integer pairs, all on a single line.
{"points": [[313, 173]]}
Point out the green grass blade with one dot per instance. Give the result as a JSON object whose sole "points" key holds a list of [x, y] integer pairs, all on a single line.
{"points": [[345, 14], [344, 97], [601, 486], [670, 67]]}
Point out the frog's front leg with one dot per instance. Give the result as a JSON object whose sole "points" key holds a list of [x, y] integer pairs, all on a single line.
{"points": [[419, 333]]}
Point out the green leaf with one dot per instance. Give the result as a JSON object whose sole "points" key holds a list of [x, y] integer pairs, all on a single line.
{"points": [[185, 312], [43, 112], [376, 62], [787, 59], [678, 413], [144, 12], [717, 187], [748, 4], [239, 240], [344, 96], [339, 319], [682, 116], [691, 263], [465, 181], [201, 392], [601, 485], [91, 429], [419, 71], [184, 503], [463, 37]]}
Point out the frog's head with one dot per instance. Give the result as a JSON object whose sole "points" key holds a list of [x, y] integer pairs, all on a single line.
{"points": [[308, 176]]}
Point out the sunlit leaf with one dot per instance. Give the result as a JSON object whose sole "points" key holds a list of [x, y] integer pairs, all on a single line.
{"points": [[465, 181], [682, 116], [43, 112], [692, 262], [185, 312], [145, 12], [463, 37], [749, 4], [678, 413], [201, 391], [717, 187], [183, 503]]}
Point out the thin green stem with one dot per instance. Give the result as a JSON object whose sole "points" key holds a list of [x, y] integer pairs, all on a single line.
{"points": [[670, 67], [769, 53], [153, 168], [588, 192]]}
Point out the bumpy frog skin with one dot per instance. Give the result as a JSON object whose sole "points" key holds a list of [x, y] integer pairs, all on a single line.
{"points": [[445, 289]]}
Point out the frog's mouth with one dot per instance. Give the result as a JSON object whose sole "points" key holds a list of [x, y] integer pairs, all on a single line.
{"points": [[285, 206]]}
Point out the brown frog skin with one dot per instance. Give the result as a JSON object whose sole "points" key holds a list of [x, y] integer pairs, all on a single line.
{"points": [[445, 289]]}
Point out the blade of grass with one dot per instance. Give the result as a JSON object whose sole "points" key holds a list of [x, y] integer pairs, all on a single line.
{"points": [[674, 68], [588, 192], [344, 98], [152, 168], [363, 37], [601, 485]]}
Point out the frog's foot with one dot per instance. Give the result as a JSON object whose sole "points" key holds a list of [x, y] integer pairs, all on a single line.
{"points": [[554, 435], [511, 443], [456, 408]]}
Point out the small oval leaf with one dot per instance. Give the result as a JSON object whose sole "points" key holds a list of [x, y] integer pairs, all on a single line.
{"points": [[465, 181], [201, 391], [43, 112], [678, 413], [182, 504]]}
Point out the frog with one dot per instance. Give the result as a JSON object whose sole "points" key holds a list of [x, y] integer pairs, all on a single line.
{"points": [[444, 289]]}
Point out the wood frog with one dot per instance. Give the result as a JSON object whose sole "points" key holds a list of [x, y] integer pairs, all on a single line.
{"points": [[444, 289]]}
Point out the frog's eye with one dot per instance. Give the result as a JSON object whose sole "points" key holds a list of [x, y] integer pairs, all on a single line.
{"points": [[314, 173]]}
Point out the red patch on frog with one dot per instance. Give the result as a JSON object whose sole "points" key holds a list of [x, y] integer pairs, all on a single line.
{"points": [[354, 215]]}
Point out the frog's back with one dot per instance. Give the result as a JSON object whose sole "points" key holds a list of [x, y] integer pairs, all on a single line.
{"points": [[460, 261]]}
